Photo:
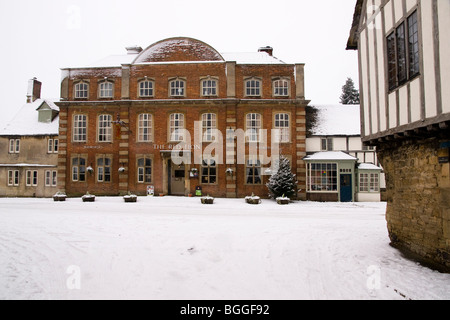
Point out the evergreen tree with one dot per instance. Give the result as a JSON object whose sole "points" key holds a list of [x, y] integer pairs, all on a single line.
{"points": [[349, 94], [283, 181]]}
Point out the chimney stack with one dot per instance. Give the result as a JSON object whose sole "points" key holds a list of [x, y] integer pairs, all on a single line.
{"points": [[134, 50], [267, 49], [34, 90]]}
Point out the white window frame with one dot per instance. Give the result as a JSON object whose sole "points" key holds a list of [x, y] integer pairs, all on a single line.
{"points": [[31, 178], [80, 128], [76, 168], [177, 88], [176, 124], [104, 125], [142, 173], [253, 126], [282, 122], [14, 146], [145, 127], [13, 178], [253, 164], [106, 163], [51, 178], [369, 182], [207, 165], [209, 125], [209, 87], [53, 146], [326, 144], [146, 88], [281, 88], [106, 90], [253, 87], [81, 90], [319, 180]]}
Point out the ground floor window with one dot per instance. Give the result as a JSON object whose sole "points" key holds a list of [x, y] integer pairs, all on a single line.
{"points": [[144, 170], [51, 178], [13, 178], [322, 177], [209, 171], [104, 169], [369, 182], [253, 172], [79, 169], [31, 178]]}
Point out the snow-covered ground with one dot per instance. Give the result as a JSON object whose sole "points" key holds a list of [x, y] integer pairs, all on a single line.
{"points": [[177, 248]]}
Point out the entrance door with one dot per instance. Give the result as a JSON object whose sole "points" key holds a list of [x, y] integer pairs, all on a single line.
{"points": [[177, 179], [346, 188]]}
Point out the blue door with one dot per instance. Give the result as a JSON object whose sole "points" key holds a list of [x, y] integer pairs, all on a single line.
{"points": [[346, 188]]}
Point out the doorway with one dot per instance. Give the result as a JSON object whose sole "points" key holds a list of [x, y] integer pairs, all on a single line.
{"points": [[177, 179], [346, 188]]}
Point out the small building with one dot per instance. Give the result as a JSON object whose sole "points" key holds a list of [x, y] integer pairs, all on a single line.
{"points": [[29, 148], [339, 166]]}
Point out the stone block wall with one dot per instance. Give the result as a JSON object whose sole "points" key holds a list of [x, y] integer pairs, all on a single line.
{"points": [[418, 195]]}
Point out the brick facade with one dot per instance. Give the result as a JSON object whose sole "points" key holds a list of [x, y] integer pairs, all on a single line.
{"points": [[230, 106]]}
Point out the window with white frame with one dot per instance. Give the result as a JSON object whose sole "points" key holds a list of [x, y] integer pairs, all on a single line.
{"points": [[177, 88], [253, 127], [369, 182], [176, 126], [253, 172], [53, 145], [209, 87], [79, 169], [51, 178], [79, 128], [146, 88], [106, 89], [281, 88], [104, 169], [282, 123], [13, 178], [322, 177], [209, 125], [14, 145], [105, 128], [31, 178], [144, 169], [209, 171], [145, 122], [326, 144], [253, 87], [81, 90]]}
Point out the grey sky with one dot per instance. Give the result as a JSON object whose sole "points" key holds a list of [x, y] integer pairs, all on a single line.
{"points": [[40, 37]]}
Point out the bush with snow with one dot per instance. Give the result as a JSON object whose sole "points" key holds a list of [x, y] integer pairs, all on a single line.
{"points": [[282, 182]]}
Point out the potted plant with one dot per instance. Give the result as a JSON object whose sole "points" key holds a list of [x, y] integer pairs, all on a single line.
{"points": [[207, 200], [283, 200], [88, 197], [253, 199], [130, 197], [59, 196]]}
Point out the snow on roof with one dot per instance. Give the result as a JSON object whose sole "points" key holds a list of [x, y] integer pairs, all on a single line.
{"points": [[251, 58], [25, 122], [368, 166], [331, 155], [333, 120]]}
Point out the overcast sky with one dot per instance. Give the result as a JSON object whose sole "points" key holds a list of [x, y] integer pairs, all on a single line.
{"points": [[40, 37]]}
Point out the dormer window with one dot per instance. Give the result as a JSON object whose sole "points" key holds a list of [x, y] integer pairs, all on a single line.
{"points": [[106, 89], [253, 87], [81, 90], [177, 88]]}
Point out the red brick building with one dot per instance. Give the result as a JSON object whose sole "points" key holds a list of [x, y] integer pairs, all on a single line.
{"points": [[121, 118]]}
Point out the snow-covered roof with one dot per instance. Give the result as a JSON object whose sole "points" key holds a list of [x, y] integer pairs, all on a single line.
{"points": [[330, 155], [251, 58], [368, 166], [25, 122], [334, 120]]}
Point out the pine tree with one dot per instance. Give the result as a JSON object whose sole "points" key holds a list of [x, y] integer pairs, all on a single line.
{"points": [[349, 94], [283, 181]]}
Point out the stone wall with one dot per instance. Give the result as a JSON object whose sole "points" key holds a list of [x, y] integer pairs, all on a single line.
{"points": [[418, 195]]}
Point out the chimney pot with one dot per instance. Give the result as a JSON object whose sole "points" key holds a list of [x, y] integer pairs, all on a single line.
{"points": [[34, 90], [134, 50], [267, 49]]}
